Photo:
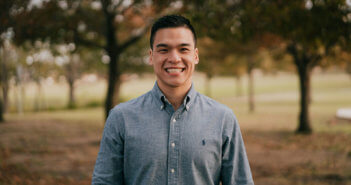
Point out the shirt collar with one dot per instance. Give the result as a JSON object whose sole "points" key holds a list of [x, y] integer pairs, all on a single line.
{"points": [[188, 100]]}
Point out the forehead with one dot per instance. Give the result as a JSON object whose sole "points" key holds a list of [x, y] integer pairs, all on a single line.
{"points": [[174, 36]]}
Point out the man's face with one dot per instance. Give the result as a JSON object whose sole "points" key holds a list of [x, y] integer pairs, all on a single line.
{"points": [[174, 57]]}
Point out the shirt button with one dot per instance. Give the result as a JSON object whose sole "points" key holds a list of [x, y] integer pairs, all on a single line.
{"points": [[174, 120], [173, 145], [172, 170]]}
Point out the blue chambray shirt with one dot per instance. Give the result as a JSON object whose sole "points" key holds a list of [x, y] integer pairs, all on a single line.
{"points": [[146, 142]]}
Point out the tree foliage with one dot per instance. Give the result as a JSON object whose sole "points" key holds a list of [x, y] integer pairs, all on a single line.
{"points": [[109, 25], [308, 29]]}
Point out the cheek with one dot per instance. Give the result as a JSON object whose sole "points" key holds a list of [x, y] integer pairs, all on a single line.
{"points": [[155, 61], [191, 61]]}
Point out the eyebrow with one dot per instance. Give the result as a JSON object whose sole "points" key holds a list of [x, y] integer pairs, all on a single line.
{"points": [[161, 45], [166, 45], [184, 44]]}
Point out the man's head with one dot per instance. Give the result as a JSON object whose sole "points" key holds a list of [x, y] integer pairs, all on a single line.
{"points": [[171, 21], [173, 53]]}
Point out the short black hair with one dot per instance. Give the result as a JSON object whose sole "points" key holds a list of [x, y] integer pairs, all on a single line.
{"points": [[170, 21]]}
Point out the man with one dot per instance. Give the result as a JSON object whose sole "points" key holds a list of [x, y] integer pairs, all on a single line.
{"points": [[172, 135]]}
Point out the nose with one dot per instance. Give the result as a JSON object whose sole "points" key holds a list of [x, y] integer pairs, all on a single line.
{"points": [[174, 57]]}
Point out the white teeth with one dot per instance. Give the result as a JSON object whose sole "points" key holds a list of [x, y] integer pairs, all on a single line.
{"points": [[174, 70]]}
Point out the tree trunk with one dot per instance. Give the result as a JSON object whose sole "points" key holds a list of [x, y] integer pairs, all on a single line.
{"points": [[1, 111], [304, 78], [304, 68], [118, 84], [113, 52], [72, 74], [37, 106], [113, 74], [72, 100], [4, 80], [239, 89], [250, 68], [208, 85], [19, 89], [113, 49], [113, 80], [5, 90], [113, 85]]}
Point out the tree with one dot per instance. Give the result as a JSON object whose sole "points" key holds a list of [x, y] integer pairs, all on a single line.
{"points": [[4, 75], [228, 23], [7, 64], [212, 57], [310, 29], [39, 63], [20, 75], [1, 111], [107, 25], [114, 45], [1, 108], [70, 66], [235, 65]]}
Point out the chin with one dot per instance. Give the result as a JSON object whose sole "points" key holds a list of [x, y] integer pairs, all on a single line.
{"points": [[175, 84]]}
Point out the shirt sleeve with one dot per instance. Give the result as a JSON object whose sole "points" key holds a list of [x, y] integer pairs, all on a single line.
{"points": [[109, 163], [235, 169]]}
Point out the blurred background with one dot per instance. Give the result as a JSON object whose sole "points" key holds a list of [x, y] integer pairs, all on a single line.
{"points": [[284, 67]]}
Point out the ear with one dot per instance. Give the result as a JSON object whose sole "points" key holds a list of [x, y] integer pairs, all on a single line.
{"points": [[196, 56], [150, 57]]}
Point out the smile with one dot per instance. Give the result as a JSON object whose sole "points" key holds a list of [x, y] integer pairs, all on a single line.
{"points": [[174, 70]]}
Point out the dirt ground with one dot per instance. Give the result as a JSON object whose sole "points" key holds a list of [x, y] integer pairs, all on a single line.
{"points": [[54, 151]]}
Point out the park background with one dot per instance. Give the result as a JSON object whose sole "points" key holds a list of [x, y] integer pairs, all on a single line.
{"points": [[284, 67]]}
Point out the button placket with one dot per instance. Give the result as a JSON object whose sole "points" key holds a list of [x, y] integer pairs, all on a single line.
{"points": [[173, 150]]}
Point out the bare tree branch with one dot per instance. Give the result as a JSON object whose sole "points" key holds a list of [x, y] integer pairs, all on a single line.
{"points": [[134, 38]]}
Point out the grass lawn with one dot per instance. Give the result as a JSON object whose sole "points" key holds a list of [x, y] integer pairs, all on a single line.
{"points": [[60, 147]]}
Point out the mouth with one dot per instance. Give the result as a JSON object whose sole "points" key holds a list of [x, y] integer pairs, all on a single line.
{"points": [[174, 70]]}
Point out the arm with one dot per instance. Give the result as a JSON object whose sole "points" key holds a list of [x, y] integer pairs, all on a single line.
{"points": [[109, 163], [235, 168]]}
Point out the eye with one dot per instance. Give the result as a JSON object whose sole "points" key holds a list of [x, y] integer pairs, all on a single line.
{"points": [[184, 49], [162, 50]]}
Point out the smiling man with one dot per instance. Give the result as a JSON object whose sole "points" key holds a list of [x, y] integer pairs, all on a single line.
{"points": [[172, 135]]}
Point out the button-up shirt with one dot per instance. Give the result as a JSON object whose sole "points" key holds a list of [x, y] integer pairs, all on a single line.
{"points": [[146, 142]]}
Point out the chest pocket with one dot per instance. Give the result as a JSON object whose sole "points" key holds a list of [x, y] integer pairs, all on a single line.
{"points": [[207, 152], [202, 152]]}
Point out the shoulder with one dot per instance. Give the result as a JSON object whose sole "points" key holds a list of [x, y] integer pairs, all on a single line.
{"points": [[219, 111], [214, 105], [132, 105], [123, 111]]}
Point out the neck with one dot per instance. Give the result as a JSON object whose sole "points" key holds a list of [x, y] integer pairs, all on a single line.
{"points": [[175, 95]]}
